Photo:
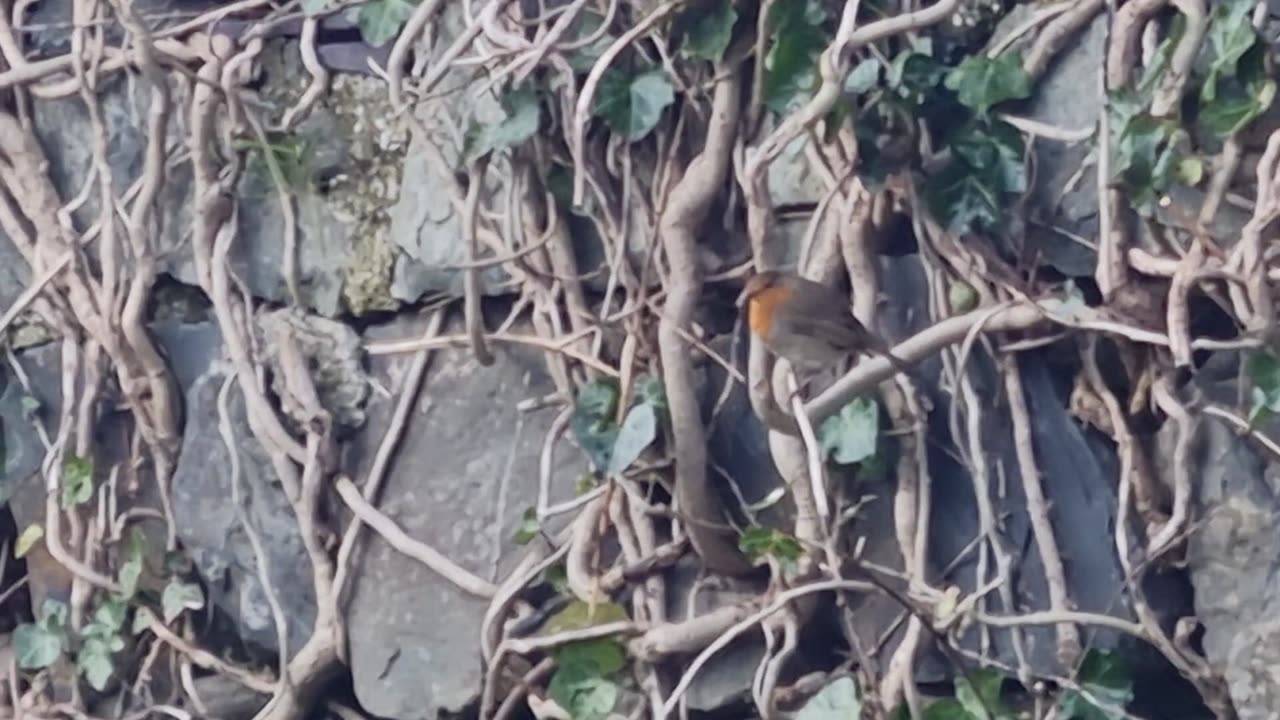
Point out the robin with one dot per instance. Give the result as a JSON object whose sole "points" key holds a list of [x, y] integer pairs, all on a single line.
{"points": [[808, 323]]}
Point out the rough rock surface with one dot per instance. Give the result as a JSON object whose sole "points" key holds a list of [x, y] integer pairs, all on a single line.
{"points": [[1231, 554], [209, 522], [341, 161], [1077, 474], [188, 348], [426, 224], [464, 473]]}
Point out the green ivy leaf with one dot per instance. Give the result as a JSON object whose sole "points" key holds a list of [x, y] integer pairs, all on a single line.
{"points": [[38, 645], [1231, 35], [94, 660], [791, 65], [632, 105], [914, 76], [179, 596], [578, 615], [1105, 676], [1147, 158], [649, 390], [77, 480], [994, 152], [851, 435], [979, 694], [598, 656], [581, 682], [1241, 97], [584, 26], [592, 422], [961, 296], [53, 615], [757, 542], [1263, 369], [981, 82], [141, 622], [30, 408], [311, 8], [558, 578], [584, 698], [864, 76], [1231, 114], [131, 567], [946, 709], [529, 527], [27, 540], [961, 200], [710, 29], [523, 115], [380, 20], [837, 701], [108, 617], [637, 432], [586, 483]]}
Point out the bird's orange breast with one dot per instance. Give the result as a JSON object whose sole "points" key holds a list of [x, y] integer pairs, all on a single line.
{"points": [[762, 309]]}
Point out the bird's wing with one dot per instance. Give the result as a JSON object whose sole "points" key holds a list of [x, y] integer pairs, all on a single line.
{"points": [[828, 326]]}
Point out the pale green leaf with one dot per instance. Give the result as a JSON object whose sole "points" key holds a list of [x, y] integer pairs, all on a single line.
{"points": [[523, 115], [37, 647], [981, 82], [380, 20], [77, 480], [632, 105], [108, 617], [851, 435], [131, 568], [311, 8], [864, 76], [637, 432], [837, 701], [94, 662], [529, 527], [598, 656], [578, 615], [1107, 678], [27, 540], [710, 29], [179, 596]]}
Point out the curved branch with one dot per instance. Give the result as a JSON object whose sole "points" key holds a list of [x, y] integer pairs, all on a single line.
{"points": [[680, 222]]}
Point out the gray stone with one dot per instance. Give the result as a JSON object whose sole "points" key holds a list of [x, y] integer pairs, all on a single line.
{"points": [[1076, 474], [341, 164], [465, 471], [737, 441], [22, 485], [1069, 96], [333, 354], [425, 224], [212, 533], [1230, 556], [727, 676], [208, 524], [15, 273]]}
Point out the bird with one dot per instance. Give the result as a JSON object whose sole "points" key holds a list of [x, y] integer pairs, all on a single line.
{"points": [[808, 323]]}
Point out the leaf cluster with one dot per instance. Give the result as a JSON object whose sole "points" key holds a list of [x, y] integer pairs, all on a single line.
{"points": [[1230, 88], [613, 447], [587, 680], [95, 649]]}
